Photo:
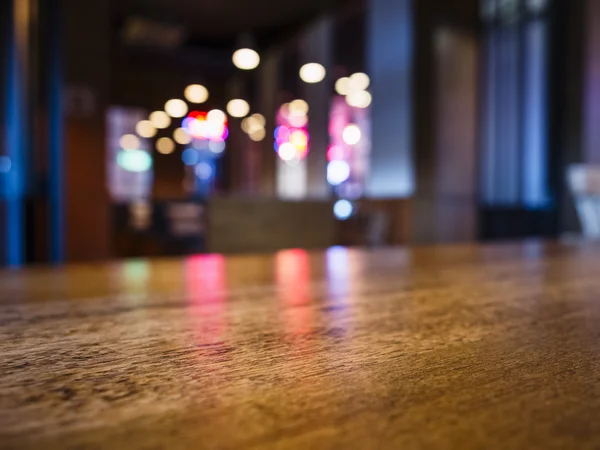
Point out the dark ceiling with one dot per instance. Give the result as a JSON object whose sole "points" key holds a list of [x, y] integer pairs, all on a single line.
{"points": [[217, 23]]}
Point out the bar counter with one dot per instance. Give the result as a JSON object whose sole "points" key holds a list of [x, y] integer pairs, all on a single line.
{"points": [[448, 347]]}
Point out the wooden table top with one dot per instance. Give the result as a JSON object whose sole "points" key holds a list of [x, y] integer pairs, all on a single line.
{"points": [[452, 347]]}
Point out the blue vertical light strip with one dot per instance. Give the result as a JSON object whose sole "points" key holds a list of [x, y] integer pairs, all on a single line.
{"points": [[488, 179], [509, 117], [14, 237], [56, 135], [535, 145], [390, 61]]}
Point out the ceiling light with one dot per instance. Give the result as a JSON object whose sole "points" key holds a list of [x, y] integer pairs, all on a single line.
{"points": [[129, 142], [238, 108], [145, 129], [160, 119], [298, 107], [176, 108], [181, 136], [257, 135], [165, 145], [359, 81], [312, 72], [342, 86], [196, 93], [351, 134], [245, 59], [216, 115], [359, 99]]}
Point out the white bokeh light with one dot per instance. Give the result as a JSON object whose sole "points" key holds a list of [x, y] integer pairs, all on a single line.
{"points": [[298, 107], [252, 124], [359, 82], [337, 172], [312, 73], [238, 108], [181, 136], [216, 115], [342, 86], [245, 59], [342, 209], [259, 118], [160, 119], [145, 129], [287, 151], [196, 93], [359, 99], [176, 108], [351, 134], [129, 142]]}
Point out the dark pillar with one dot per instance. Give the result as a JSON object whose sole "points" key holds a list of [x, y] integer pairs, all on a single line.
{"points": [[269, 88], [54, 88], [86, 38], [316, 47]]}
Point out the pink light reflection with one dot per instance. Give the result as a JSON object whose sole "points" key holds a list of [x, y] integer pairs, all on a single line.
{"points": [[292, 277], [206, 288]]}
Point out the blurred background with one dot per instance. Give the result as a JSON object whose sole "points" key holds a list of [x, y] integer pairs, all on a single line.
{"points": [[136, 128]]}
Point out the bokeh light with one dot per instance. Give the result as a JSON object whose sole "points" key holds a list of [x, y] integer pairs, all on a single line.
{"points": [[245, 59], [282, 134], [216, 146], [299, 138], [176, 108], [359, 82], [216, 115], [298, 107], [359, 99], [287, 151], [5, 164], [259, 118], [298, 121], [312, 73], [342, 86], [337, 172], [134, 160], [204, 126], [145, 129], [160, 119], [342, 209], [257, 135], [251, 124], [335, 152], [291, 134], [181, 136], [165, 145], [129, 142], [190, 156], [238, 108], [351, 134], [203, 170], [196, 93]]}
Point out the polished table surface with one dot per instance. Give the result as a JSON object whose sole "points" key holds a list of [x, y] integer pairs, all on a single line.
{"points": [[452, 347]]}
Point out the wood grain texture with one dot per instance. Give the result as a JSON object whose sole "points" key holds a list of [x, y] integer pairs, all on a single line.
{"points": [[453, 347]]}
